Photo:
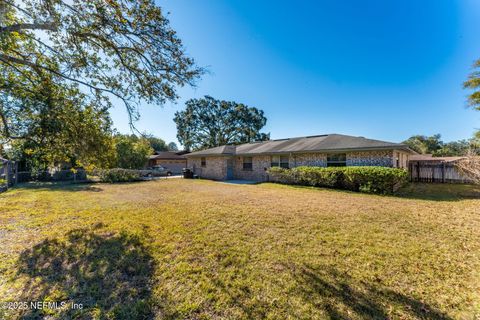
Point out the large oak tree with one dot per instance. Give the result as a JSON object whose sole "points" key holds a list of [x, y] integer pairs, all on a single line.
{"points": [[208, 122], [106, 51]]}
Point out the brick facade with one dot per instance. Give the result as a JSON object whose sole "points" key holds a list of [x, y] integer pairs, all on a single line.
{"points": [[309, 160], [258, 172], [370, 158], [216, 167]]}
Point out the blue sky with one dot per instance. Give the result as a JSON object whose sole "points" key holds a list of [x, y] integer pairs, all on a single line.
{"points": [[380, 69]]}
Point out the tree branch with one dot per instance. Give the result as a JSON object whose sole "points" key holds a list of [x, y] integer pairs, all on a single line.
{"points": [[29, 26]]}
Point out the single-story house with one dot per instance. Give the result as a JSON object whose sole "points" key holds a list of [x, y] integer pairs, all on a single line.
{"points": [[172, 161], [250, 161]]}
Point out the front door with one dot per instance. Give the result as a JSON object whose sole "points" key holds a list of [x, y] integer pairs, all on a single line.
{"points": [[230, 169]]}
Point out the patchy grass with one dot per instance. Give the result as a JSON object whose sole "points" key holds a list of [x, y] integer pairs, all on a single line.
{"points": [[205, 250]]}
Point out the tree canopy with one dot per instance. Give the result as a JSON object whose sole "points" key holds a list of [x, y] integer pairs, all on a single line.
{"points": [[156, 144], [132, 152], [208, 122], [473, 83], [119, 48], [62, 127], [424, 144], [172, 146], [435, 146], [63, 63]]}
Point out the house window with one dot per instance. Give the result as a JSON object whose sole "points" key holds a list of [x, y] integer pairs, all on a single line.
{"points": [[203, 162], [247, 163], [337, 160], [279, 161]]}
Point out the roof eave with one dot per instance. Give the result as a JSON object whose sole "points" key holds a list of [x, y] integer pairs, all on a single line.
{"points": [[201, 155], [321, 151], [395, 147]]}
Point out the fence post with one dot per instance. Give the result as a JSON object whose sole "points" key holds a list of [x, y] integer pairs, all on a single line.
{"points": [[16, 172], [418, 171], [7, 173], [443, 172], [410, 171]]}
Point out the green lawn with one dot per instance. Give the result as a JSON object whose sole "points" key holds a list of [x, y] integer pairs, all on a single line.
{"points": [[193, 249]]}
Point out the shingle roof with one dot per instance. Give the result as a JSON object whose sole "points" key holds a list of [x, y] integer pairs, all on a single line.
{"points": [[226, 150], [319, 143], [170, 155]]}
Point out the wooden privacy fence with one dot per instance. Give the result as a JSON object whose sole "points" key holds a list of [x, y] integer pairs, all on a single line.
{"points": [[443, 172]]}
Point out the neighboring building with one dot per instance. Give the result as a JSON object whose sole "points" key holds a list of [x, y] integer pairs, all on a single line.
{"points": [[426, 168], [251, 160], [432, 159], [172, 161]]}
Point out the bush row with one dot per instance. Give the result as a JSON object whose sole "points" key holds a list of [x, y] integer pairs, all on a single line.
{"points": [[380, 180], [119, 175]]}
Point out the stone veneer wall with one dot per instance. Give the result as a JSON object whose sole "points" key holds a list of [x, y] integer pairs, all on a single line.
{"points": [[258, 173], [215, 168], [370, 158], [308, 159]]}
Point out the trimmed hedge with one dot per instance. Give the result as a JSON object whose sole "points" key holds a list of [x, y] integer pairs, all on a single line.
{"points": [[119, 175], [380, 180]]}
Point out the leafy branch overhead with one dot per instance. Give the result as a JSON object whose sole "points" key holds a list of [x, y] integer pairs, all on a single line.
{"points": [[208, 122], [123, 49], [473, 83]]}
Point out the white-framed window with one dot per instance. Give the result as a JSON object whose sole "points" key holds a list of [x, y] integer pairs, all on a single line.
{"points": [[279, 161], [337, 160]]}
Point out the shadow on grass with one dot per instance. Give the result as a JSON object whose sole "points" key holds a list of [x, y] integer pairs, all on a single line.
{"points": [[60, 186], [111, 275], [419, 191], [340, 297], [439, 191]]}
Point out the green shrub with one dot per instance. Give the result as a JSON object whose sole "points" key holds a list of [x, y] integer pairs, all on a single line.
{"points": [[3, 181], [277, 174], [119, 175], [312, 176], [380, 180]]}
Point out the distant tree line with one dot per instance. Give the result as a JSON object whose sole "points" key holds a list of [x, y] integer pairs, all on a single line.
{"points": [[127, 151], [435, 146]]}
